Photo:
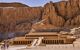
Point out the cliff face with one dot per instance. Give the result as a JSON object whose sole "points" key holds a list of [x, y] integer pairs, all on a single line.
{"points": [[18, 19], [55, 15], [61, 14], [50, 14]]}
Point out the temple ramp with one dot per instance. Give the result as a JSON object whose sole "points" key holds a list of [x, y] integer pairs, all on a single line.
{"points": [[33, 44], [36, 42], [39, 41]]}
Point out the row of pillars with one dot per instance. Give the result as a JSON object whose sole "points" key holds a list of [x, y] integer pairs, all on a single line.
{"points": [[53, 41], [43, 41], [21, 42]]}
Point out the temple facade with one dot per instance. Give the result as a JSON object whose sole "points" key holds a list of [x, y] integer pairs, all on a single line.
{"points": [[48, 38]]}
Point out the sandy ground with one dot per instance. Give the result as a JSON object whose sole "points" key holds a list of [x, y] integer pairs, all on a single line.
{"points": [[15, 47], [48, 47]]}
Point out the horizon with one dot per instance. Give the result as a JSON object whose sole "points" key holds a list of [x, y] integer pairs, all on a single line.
{"points": [[31, 3]]}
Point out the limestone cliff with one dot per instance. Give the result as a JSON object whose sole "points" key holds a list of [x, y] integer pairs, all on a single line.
{"points": [[63, 14]]}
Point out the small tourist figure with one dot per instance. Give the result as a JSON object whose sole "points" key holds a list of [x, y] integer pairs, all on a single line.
{"points": [[73, 45], [2, 47], [7, 44]]}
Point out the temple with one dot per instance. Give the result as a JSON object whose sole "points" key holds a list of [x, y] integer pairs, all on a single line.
{"points": [[44, 37], [48, 38]]}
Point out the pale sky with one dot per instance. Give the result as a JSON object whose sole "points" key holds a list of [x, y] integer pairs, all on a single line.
{"points": [[31, 2]]}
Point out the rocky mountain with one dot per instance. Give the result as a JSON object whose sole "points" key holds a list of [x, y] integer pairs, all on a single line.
{"points": [[13, 4], [21, 18], [18, 19]]}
